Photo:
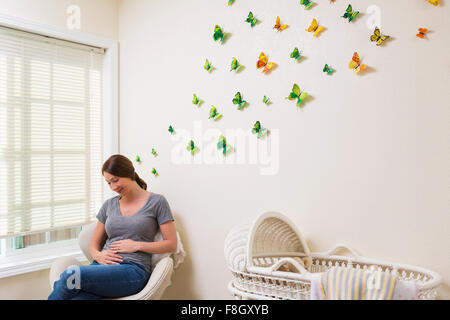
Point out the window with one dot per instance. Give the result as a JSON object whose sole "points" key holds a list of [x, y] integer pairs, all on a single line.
{"points": [[53, 109]]}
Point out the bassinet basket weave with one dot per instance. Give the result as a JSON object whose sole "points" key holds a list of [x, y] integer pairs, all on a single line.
{"points": [[269, 259]]}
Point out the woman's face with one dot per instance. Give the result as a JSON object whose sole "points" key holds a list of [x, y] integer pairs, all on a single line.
{"points": [[117, 184]]}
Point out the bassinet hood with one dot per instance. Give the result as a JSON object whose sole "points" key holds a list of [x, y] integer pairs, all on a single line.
{"points": [[270, 234]]}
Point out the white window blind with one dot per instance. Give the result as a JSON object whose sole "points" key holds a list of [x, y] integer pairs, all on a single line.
{"points": [[51, 133]]}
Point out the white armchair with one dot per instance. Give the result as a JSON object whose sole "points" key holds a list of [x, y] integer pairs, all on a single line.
{"points": [[160, 278]]}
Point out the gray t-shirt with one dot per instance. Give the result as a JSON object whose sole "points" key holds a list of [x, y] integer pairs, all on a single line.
{"points": [[141, 226]]}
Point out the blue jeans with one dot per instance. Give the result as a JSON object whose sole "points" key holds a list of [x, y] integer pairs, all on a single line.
{"points": [[97, 281]]}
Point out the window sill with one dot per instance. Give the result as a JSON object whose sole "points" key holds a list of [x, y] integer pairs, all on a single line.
{"points": [[40, 258]]}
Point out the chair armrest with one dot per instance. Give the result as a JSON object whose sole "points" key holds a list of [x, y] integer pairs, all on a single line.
{"points": [[59, 266], [84, 239]]}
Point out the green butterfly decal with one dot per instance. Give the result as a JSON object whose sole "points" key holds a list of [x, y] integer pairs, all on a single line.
{"points": [[251, 19], [213, 114], [297, 94], [171, 130], [238, 100], [222, 145], [230, 2], [328, 69], [296, 54], [306, 3], [266, 100], [154, 152], [350, 14], [218, 33], [155, 173], [138, 159], [196, 100], [208, 66], [235, 65], [257, 129], [192, 148]]}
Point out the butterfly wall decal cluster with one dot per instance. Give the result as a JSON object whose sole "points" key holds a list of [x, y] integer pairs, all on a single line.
{"points": [[264, 64]]}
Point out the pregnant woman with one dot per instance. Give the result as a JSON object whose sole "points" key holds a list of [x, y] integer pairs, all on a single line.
{"points": [[122, 243]]}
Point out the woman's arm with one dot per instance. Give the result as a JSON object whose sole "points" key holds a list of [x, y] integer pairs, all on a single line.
{"points": [[166, 245]]}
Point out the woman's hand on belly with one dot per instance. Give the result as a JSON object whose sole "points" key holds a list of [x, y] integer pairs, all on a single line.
{"points": [[108, 257], [125, 246]]}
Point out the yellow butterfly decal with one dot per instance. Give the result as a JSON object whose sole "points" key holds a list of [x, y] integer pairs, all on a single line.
{"points": [[262, 63], [315, 27], [279, 26], [378, 37], [355, 64]]}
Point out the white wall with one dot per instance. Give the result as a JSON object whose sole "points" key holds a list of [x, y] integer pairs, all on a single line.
{"points": [[365, 162], [99, 18]]}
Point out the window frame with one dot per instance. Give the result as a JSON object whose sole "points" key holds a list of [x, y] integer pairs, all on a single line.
{"points": [[40, 257]]}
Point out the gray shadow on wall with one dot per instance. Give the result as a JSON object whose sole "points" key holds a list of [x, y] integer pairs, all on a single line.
{"points": [[304, 103], [211, 69], [366, 71], [241, 68], [247, 104], [226, 36], [301, 59], [182, 286]]}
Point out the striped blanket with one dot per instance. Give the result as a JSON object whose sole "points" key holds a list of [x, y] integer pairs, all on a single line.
{"points": [[344, 283]]}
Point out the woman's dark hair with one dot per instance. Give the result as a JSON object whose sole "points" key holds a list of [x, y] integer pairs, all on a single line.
{"points": [[120, 166]]}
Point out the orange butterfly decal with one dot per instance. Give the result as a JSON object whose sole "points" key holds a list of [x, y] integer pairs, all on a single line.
{"points": [[262, 63], [422, 32], [355, 64], [279, 26]]}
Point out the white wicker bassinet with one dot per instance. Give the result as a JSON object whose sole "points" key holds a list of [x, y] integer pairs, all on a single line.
{"points": [[269, 259]]}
